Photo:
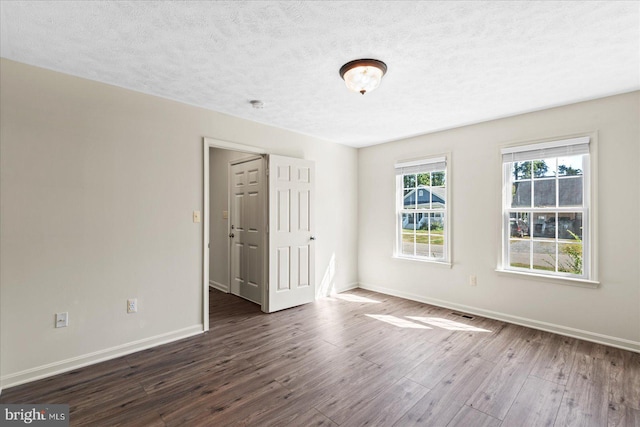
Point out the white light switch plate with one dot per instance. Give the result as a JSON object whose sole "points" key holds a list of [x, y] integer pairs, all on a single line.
{"points": [[196, 216], [62, 320], [225, 214]]}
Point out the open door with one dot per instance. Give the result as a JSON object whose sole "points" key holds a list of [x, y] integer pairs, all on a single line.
{"points": [[291, 228]]}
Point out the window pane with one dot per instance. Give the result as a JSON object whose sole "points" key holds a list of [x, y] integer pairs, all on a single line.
{"points": [[438, 179], [408, 220], [408, 243], [437, 246], [570, 191], [424, 179], [519, 253], [436, 223], [540, 225], [570, 226], [519, 224], [424, 197], [544, 193], [409, 201], [521, 192], [438, 197], [570, 166], [422, 242], [521, 170], [570, 258], [422, 221], [409, 181], [544, 256], [544, 168]]}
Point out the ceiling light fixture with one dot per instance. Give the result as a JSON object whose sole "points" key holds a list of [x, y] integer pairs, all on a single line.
{"points": [[363, 75]]}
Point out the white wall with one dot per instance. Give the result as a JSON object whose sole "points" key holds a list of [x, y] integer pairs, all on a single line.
{"points": [[98, 185], [609, 313], [218, 226]]}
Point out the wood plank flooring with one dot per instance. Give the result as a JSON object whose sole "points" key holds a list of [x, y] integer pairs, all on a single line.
{"points": [[355, 359]]}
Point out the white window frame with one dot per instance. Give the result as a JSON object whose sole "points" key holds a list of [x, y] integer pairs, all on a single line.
{"points": [[542, 150], [426, 164]]}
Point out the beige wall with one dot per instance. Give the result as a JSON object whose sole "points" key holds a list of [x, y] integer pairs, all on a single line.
{"points": [[609, 313], [98, 185]]}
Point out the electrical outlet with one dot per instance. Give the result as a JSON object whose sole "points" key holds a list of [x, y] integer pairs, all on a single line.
{"points": [[473, 280], [132, 305], [62, 320]]}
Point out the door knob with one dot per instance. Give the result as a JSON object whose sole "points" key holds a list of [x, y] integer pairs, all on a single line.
{"points": [[232, 235]]}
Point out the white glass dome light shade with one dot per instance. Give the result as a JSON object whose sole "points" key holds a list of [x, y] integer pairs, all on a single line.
{"points": [[363, 75]]}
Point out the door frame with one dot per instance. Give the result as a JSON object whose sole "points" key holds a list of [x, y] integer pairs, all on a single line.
{"points": [[227, 145]]}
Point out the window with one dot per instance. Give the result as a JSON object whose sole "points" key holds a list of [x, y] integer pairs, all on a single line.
{"points": [[422, 220], [546, 208]]}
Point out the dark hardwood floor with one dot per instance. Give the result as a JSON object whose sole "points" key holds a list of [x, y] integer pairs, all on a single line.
{"points": [[359, 358]]}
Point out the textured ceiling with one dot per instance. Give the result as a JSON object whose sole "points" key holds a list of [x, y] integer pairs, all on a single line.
{"points": [[450, 63]]}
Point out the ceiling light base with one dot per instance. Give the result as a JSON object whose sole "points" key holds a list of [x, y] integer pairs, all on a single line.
{"points": [[363, 75]]}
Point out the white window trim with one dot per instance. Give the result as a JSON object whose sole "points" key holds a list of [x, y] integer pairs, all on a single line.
{"points": [[590, 277], [432, 159]]}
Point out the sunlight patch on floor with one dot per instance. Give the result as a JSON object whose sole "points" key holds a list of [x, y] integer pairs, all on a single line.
{"points": [[354, 298], [447, 324], [396, 321]]}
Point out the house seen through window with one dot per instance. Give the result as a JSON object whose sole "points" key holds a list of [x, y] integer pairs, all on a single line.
{"points": [[422, 224], [546, 208]]}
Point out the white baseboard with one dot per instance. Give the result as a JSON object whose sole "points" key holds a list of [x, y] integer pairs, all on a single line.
{"points": [[346, 287], [622, 343], [70, 364], [219, 286]]}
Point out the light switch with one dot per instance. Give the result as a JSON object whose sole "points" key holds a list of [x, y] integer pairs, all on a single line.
{"points": [[62, 320], [196, 216], [225, 214]]}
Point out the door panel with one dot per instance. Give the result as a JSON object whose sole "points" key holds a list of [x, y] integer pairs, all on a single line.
{"points": [[283, 211], [237, 270], [253, 259], [291, 244], [237, 217], [303, 211], [303, 266], [247, 230], [283, 269]]}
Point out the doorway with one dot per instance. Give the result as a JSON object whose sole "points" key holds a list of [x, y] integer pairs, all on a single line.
{"points": [[216, 228], [279, 266]]}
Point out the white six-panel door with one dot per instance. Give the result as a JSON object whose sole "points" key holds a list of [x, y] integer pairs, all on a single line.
{"points": [[246, 230], [291, 228]]}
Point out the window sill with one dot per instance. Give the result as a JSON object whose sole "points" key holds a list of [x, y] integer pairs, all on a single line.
{"points": [[582, 283], [428, 261]]}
